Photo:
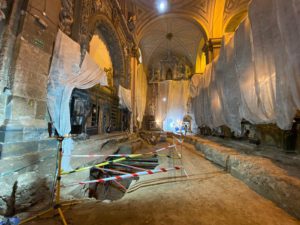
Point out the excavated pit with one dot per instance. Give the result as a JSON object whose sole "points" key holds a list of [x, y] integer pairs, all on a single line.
{"points": [[114, 190]]}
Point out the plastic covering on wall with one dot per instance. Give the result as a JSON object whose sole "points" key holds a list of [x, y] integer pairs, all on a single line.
{"points": [[194, 84], [162, 98], [140, 93], [172, 102], [256, 76], [65, 75], [288, 18], [124, 98]]}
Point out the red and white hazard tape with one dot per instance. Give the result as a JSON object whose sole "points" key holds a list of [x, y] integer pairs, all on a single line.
{"points": [[130, 175], [161, 149]]}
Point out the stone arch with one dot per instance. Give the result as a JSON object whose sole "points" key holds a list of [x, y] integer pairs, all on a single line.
{"points": [[100, 24], [233, 22], [198, 22]]}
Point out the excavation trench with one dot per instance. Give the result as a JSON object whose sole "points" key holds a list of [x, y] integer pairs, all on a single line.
{"points": [[116, 189]]}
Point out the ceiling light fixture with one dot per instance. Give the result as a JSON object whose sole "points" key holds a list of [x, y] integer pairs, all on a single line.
{"points": [[162, 6]]}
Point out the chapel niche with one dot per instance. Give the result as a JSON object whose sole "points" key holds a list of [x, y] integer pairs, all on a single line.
{"points": [[171, 68]]}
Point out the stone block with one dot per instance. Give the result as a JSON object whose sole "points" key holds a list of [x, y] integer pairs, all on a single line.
{"points": [[3, 100], [22, 108], [5, 194], [125, 149], [31, 189], [218, 157], [11, 136], [47, 144], [198, 146], [41, 109], [30, 90], [18, 148], [268, 180], [30, 134]]}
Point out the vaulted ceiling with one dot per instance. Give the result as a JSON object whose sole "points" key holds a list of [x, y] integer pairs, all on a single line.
{"points": [[171, 35], [186, 22]]}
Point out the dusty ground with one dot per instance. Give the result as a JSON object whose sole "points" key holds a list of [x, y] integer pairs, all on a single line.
{"points": [[209, 196]]}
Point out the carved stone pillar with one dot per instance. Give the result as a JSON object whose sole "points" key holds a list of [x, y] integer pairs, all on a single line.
{"points": [[66, 16], [133, 70], [212, 49]]}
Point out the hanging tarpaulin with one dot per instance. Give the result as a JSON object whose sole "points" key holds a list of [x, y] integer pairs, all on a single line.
{"points": [[140, 93], [65, 75], [125, 98], [257, 72], [162, 98], [177, 104], [250, 107], [172, 104], [194, 84]]}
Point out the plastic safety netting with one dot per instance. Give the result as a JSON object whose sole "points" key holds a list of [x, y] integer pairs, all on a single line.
{"points": [[257, 75], [65, 75]]}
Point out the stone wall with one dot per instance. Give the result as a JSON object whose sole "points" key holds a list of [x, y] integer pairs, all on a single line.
{"points": [[26, 50], [24, 127], [27, 41]]}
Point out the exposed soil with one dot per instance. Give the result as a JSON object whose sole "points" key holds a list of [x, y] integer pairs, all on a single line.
{"points": [[208, 196]]}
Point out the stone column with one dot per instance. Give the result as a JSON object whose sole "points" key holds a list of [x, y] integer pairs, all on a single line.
{"points": [[212, 49], [134, 63]]}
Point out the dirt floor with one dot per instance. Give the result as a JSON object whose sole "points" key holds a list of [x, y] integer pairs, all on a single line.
{"points": [[208, 196]]}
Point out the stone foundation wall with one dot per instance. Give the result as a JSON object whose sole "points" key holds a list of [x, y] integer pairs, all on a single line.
{"points": [[25, 55], [275, 177]]}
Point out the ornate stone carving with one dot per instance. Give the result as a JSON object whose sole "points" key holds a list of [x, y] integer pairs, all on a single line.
{"points": [[85, 36], [114, 15], [97, 5], [172, 68], [234, 6], [109, 73], [99, 16], [66, 16], [3, 5], [131, 21]]}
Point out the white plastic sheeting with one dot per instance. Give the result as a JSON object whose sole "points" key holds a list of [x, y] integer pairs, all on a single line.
{"points": [[262, 53], [172, 102], [288, 18], [65, 75], [162, 102], [246, 76], [140, 93], [206, 106], [227, 85], [125, 98], [256, 76], [194, 84]]}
